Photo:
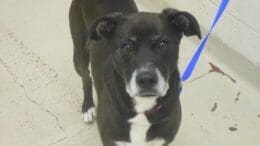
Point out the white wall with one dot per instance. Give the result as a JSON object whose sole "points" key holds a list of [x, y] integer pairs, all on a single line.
{"points": [[239, 29]]}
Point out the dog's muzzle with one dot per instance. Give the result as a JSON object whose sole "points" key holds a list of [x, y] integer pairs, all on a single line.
{"points": [[147, 81]]}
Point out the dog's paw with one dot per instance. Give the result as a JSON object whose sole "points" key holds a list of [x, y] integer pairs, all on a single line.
{"points": [[89, 116]]}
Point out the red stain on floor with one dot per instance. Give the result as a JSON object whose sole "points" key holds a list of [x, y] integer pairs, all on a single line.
{"points": [[216, 69]]}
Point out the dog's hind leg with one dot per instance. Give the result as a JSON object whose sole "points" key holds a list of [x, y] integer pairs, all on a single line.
{"points": [[81, 58]]}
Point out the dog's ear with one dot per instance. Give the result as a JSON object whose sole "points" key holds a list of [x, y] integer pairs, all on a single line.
{"points": [[104, 26], [184, 21]]}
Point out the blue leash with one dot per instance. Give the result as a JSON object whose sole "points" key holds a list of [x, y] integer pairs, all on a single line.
{"points": [[192, 64]]}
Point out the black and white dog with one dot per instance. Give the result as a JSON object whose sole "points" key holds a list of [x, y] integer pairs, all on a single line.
{"points": [[133, 57]]}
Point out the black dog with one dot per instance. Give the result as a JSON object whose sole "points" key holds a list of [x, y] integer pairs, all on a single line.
{"points": [[133, 57]]}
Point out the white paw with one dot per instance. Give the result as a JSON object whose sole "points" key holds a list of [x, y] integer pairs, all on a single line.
{"points": [[90, 115]]}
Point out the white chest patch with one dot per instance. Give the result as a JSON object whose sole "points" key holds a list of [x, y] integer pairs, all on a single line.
{"points": [[138, 130], [140, 124]]}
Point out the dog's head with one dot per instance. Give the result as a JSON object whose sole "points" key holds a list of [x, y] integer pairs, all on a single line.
{"points": [[146, 47]]}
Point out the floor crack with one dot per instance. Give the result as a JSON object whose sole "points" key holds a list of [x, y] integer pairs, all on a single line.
{"points": [[43, 109], [29, 98], [199, 77], [9, 72], [59, 140]]}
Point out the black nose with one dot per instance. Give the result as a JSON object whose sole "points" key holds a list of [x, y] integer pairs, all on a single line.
{"points": [[146, 80]]}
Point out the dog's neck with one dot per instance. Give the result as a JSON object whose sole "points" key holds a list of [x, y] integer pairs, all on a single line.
{"points": [[161, 111]]}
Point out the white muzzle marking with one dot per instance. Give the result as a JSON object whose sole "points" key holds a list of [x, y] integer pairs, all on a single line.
{"points": [[161, 87]]}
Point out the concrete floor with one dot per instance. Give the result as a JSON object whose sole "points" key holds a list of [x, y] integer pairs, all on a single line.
{"points": [[41, 95]]}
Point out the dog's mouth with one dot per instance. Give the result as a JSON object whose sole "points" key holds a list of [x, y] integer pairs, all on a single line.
{"points": [[148, 94]]}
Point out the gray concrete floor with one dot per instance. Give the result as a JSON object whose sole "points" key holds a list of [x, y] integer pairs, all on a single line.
{"points": [[41, 95]]}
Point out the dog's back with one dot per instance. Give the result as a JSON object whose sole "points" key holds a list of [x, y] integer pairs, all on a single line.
{"points": [[95, 8]]}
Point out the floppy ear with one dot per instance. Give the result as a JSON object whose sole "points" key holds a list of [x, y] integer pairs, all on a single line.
{"points": [[184, 21], [104, 26]]}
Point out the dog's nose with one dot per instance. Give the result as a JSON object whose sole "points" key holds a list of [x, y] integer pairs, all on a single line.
{"points": [[146, 80]]}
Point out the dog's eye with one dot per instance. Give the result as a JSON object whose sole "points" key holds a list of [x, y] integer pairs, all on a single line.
{"points": [[127, 47], [163, 44]]}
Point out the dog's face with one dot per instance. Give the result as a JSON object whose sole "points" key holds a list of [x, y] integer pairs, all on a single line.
{"points": [[145, 47]]}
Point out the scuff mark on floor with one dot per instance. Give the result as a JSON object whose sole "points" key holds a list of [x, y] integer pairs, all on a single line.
{"points": [[236, 99], [216, 69], [214, 107], [232, 129], [238, 94]]}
